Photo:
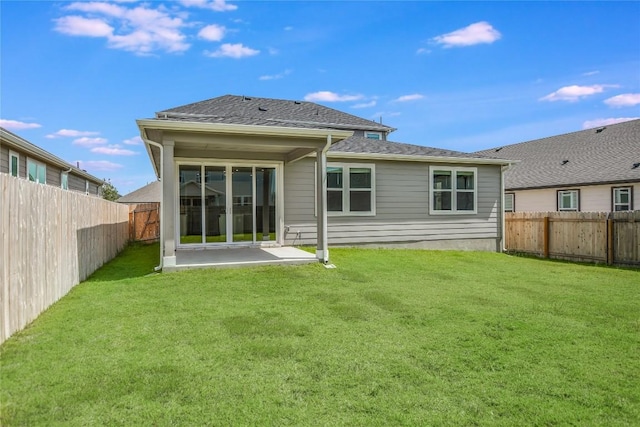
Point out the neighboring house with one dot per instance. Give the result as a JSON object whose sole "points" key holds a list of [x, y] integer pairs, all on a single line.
{"points": [[594, 170], [280, 172], [22, 159], [150, 193]]}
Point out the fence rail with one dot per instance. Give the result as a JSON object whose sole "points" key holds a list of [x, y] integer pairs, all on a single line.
{"points": [[52, 239], [603, 237]]}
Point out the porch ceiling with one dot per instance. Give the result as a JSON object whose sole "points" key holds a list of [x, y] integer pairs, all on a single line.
{"points": [[223, 141]]}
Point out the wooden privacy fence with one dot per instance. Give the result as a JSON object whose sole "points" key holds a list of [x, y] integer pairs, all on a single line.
{"points": [[52, 239], [603, 237], [144, 222]]}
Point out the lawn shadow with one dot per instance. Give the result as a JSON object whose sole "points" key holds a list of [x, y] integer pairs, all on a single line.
{"points": [[136, 260]]}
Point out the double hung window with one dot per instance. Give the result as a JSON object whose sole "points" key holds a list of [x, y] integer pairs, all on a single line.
{"points": [[509, 202], [569, 200], [350, 189], [36, 171], [453, 190], [622, 199]]}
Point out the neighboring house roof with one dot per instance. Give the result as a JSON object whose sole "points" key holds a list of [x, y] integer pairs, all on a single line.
{"points": [[21, 144], [246, 110], [150, 193], [609, 154]]}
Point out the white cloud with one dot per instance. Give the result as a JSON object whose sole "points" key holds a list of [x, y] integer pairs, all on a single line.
{"points": [[623, 100], [327, 96], [604, 122], [136, 140], [480, 32], [99, 165], [406, 98], [591, 73], [574, 92], [216, 5], [79, 26], [237, 50], [369, 104], [423, 51], [71, 133], [113, 150], [85, 141], [17, 125], [275, 76], [139, 29], [288, 28], [213, 33]]}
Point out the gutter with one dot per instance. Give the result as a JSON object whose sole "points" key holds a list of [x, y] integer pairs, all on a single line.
{"points": [[418, 158]]}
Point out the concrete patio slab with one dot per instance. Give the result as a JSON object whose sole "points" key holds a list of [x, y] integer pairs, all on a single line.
{"points": [[239, 257]]}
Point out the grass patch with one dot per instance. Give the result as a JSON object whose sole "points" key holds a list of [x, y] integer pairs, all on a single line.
{"points": [[390, 337]]}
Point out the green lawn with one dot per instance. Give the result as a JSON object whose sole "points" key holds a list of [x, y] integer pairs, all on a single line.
{"points": [[390, 337]]}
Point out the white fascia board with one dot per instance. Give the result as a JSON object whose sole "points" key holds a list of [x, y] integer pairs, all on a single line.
{"points": [[426, 159], [226, 128]]}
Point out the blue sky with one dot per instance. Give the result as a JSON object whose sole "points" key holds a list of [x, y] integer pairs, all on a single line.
{"points": [[459, 75]]}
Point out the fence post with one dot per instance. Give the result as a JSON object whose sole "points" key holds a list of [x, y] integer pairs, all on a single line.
{"points": [[545, 237], [610, 249]]}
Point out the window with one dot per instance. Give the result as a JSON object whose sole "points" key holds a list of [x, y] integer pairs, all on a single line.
{"points": [[622, 199], [64, 180], [373, 135], [453, 190], [14, 163], [350, 189], [569, 200], [36, 171], [86, 186], [509, 202]]}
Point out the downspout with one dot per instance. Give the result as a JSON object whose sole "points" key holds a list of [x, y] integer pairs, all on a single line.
{"points": [[325, 219], [503, 169], [161, 148]]}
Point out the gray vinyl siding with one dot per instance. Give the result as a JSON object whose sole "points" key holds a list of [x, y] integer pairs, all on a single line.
{"points": [[4, 159], [76, 183], [402, 207]]}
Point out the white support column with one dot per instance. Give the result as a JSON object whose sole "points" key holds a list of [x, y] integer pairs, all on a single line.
{"points": [[169, 208], [322, 249]]}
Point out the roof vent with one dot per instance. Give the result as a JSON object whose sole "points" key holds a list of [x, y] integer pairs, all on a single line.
{"points": [[246, 98], [297, 102], [262, 109], [498, 149], [600, 129], [564, 162], [635, 166]]}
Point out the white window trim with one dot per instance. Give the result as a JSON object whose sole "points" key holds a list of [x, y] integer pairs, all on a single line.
{"points": [[453, 171], [30, 160], [346, 189], [577, 199], [17, 156], [373, 133], [513, 202], [629, 203]]}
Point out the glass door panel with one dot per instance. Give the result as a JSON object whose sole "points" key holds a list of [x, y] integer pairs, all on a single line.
{"points": [[265, 204], [190, 204], [215, 204], [242, 199]]}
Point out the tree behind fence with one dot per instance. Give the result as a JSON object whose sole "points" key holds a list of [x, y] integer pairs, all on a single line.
{"points": [[612, 238], [52, 239]]}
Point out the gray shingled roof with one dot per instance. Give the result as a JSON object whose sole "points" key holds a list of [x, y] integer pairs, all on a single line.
{"points": [[359, 144], [150, 193], [603, 155], [268, 112]]}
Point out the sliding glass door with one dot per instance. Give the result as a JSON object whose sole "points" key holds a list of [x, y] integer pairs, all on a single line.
{"points": [[216, 210]]}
